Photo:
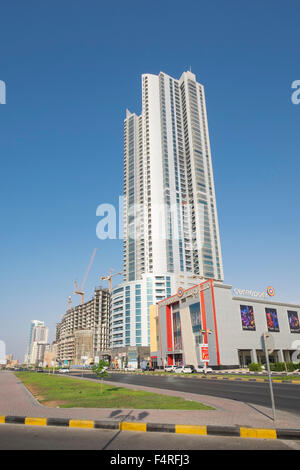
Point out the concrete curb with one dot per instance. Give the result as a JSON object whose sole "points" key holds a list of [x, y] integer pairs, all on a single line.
{"points": [[205, 430], [207, 377]]}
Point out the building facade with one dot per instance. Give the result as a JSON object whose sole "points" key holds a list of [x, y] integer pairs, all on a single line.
{"points": [[38, 339], [230, 327], [171, 223], [171, 231], [84, 330]]}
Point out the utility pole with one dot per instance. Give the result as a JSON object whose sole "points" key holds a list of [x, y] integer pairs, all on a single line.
{"points": [[269, 347]]}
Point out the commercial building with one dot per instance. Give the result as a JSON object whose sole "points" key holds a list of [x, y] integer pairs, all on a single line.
{"points": [[209, 321], [171, 231], [83, 332]]}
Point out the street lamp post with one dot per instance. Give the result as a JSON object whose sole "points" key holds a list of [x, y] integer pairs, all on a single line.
{"points": [[268, 342]]}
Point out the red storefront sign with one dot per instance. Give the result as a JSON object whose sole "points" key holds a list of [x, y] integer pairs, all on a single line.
{"points": [[204, 353]]}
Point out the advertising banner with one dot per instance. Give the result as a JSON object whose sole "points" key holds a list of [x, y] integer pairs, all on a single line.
{"points": [[204, 353], [247, 316], [272, 320], [293, 321]]}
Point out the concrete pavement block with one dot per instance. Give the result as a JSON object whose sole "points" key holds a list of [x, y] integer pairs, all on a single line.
{"points": [[57, 422], [288, 433], [15, 419], [223, 430], [160, 427], [105, 424]]}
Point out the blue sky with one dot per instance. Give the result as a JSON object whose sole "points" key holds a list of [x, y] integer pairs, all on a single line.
{"points": [[72, 69]]}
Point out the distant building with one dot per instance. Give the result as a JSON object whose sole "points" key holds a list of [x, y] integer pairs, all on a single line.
{"points": [[38, 339], [50, 355]]}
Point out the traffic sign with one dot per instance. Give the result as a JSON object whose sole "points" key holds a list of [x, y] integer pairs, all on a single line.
{"points": [[268, 342]]}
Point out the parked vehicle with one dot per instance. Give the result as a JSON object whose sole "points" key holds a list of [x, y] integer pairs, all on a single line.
{"points": [[188, 369], [129, 369], [178, 370], [202, 370], [170, 368], [64, 371]]}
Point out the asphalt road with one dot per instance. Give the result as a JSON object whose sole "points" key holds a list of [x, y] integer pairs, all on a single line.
{"points": [[287, 396], [20, 437]]}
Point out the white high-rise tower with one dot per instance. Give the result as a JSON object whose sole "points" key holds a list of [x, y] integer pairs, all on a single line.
{"points": [[38, 335], [171, 222], [171, 231]]}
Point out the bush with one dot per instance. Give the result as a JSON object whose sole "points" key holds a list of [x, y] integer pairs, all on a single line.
{"points": [[253, 367], [291, 366], [277, 367]]}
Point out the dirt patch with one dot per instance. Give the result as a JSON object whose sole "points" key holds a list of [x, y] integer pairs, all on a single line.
{"points": [[54, 404], [35, 392]]}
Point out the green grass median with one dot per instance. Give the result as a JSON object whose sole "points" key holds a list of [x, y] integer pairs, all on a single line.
{"points": [[66, 392]]}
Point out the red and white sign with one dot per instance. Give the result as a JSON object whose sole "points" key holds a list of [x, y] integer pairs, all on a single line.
{"points": [[204, 353]]}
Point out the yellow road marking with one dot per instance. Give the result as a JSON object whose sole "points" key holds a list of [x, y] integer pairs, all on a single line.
{"points": [[80, 423], [185, 429], [36, 421], [142, 427], [258, 433]]}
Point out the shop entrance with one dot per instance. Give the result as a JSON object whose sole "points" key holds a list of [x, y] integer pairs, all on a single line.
{"points": [[244, 357], [178, 360], [261, 358], [175, 359]]}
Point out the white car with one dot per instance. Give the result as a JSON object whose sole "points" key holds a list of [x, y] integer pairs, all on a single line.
{"points": [[178, 370], [170, 368], [203, 370], [64, 371], [188, 369], [129, 369]]}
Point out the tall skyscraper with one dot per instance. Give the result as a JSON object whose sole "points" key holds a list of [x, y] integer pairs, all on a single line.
{"points": [[171, 222], [171, 231]]}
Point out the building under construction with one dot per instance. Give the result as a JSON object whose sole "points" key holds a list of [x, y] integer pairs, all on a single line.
{"points": [[83, 333]]}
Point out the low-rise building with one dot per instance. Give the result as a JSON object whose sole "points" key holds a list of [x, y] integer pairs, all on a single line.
{"points": [[209, 321]]}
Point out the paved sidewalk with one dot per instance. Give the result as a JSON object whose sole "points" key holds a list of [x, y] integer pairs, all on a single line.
{"points": [[16, 400]]}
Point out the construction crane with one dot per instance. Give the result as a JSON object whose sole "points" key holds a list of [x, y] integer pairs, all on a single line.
{"points": [[79, 290], [69, 302], [109, 278]]}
